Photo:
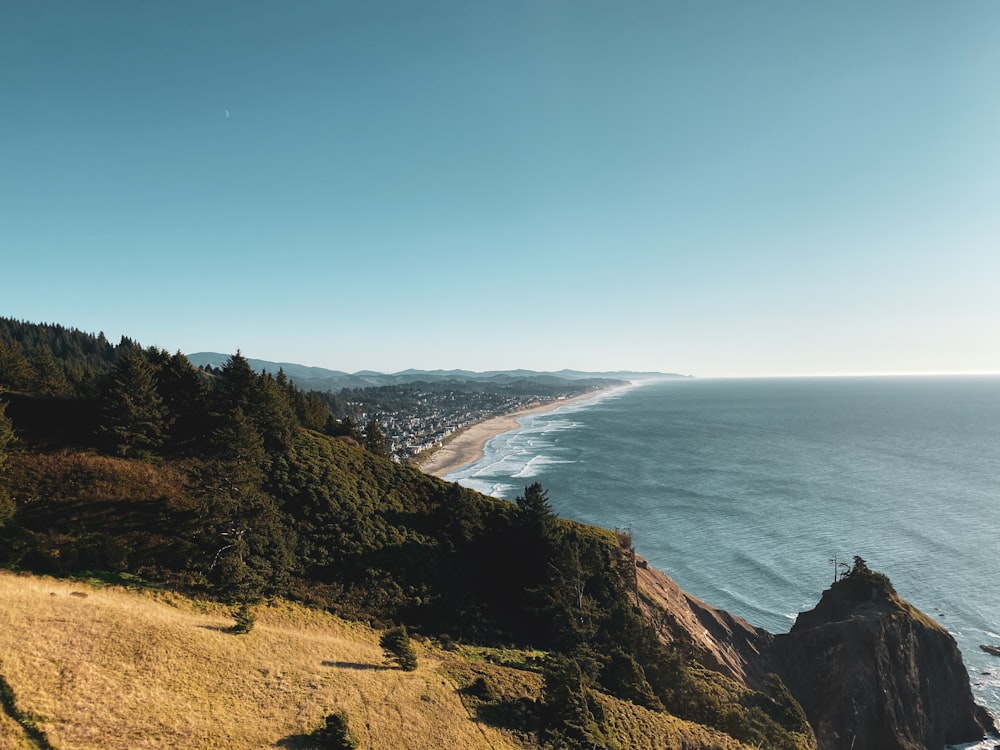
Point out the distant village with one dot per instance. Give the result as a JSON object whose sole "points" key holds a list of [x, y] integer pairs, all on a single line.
{"points": [[417, 417]]}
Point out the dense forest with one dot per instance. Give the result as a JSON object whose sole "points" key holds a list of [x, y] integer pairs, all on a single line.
{"points": [[239, 486]]}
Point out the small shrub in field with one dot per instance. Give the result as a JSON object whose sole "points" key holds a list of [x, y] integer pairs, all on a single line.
{"points": [[397, 646], [483, 690], [336, 735], [244, 619]]}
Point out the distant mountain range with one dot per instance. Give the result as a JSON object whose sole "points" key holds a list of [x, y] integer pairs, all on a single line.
{"points": [[321, 379]]}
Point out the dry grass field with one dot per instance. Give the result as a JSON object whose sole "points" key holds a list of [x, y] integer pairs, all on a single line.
{"points": [[109, 668]]}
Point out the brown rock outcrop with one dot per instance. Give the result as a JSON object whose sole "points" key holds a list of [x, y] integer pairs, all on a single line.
{"points": [[715, 638], [870, 671], [874, 673]]}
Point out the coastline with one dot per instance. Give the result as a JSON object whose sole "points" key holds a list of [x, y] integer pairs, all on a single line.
{"points": [[467, 445]]}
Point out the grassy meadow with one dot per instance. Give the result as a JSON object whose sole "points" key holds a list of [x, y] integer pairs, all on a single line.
{"points": [[105, 667], [110, 668]]}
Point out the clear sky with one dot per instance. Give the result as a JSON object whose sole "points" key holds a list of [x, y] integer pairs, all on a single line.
{"points": [[701, 186]]}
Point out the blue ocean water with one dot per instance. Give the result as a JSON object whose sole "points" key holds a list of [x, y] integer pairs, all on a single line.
{"points": [[744, 490]]}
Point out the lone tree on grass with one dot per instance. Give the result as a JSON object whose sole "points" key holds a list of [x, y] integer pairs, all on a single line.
{"points": [[396, 644], [336, 735]]}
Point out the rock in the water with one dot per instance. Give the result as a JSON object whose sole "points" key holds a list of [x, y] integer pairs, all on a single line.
{"points": [[874, 673]]}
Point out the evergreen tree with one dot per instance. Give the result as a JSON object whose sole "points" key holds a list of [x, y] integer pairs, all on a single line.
{"points": [[6, 439], [536, 512], [249, 545], [396, 644], [573, 720], [50, 380], [135, 418], [236, 387], [15, 370], [312, 410], [277, 420], [375, 440], [624, 678], [183, 391], [336, 734]]}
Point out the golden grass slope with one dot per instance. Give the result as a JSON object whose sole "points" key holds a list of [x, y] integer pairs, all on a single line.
{"points": [[107, 668]]}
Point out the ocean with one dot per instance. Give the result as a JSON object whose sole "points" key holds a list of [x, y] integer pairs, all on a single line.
{"points": [[747, 491]]}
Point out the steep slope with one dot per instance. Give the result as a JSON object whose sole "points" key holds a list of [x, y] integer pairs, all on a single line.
{"points": [[718, 640]]}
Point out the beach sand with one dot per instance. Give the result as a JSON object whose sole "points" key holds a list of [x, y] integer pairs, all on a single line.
{"points": [[467, 445]]}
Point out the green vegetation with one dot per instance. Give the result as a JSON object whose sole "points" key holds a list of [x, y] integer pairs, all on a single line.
{"points": [[335, 734], [6, 439], [397, 646], [236, 486], [244, 619]]}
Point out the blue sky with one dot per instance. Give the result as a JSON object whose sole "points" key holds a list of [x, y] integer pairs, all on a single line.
{"points": [[714, 188]]}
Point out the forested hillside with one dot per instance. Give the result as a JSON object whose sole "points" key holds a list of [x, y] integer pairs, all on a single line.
{"points": [[239, 487]]}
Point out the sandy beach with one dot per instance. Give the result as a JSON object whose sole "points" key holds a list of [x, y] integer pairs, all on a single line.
{"points": [[466, 446]]}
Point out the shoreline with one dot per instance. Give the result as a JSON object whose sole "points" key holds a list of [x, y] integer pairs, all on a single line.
{"points": [[468, 445]]}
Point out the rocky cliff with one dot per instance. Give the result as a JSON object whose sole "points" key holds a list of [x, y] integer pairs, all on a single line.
{"points": [[715, 638], [870, 671], [874, 673]]}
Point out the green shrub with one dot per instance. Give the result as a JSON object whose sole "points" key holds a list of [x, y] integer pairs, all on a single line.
{"points": [[397, 646], [244, 619], [336, 734]]}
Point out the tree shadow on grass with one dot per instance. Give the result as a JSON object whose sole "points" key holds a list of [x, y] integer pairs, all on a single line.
{"points": [[297, 742], [219, 628], [355, 665]]}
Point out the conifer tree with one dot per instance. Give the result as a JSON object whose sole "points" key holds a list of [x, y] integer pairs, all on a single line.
{"points": [[536, 512], [247, 541], [50, 380], [236, 387], [6, 439], [336, 733], [375, 440], [15, 370], [396, 644], [183, 392], [278, 421], [571, 721], [135, 418]]}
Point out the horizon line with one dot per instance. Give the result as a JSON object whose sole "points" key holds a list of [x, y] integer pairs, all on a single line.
{"points": [[864, 374]]}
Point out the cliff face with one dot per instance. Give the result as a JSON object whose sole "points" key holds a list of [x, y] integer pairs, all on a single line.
{"points": [[870, 671], [874, 673], [716, 639]]}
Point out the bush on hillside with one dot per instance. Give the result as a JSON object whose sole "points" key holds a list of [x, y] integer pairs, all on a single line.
{"points": [[336, 734], [244, 619], [397, 646]]}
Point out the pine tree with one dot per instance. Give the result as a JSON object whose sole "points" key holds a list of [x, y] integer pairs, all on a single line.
{"points": [[15, 370], [135, 418], [278, 420], [336, 734], [236, 387], [6, 439], [396, 644], [375, 440], [571, 721], [50, 380], [535, 511], [183, 392], [249, 546]]}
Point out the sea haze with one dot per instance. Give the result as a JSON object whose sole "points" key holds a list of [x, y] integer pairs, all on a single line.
{"points": [[744, 490]]}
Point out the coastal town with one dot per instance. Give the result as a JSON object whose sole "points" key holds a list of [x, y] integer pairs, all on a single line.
{"points": [[417, 418]]}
